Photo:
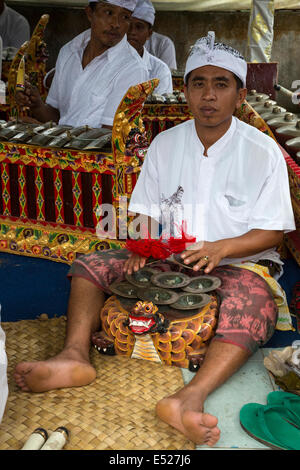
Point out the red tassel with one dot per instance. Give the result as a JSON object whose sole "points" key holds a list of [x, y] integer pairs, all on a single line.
{"points": [[161, 248], [178, 245], [141, 247]]}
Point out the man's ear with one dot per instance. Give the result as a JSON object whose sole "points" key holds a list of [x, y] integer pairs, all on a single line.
{"points": [[242, 93], [88, 12], [185, 91], [150, 32]]}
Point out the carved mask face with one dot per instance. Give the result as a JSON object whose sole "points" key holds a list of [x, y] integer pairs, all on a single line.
{"points": [[142, 317]]}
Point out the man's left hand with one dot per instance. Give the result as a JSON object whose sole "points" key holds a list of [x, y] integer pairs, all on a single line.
{"points": [[207, 256]]}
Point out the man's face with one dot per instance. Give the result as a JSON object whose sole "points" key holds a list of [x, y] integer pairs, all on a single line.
{"points": [[109, 23], [138, 33], [212, 96]]}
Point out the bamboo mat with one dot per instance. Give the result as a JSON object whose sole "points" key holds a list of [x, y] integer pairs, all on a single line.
{"points": [[115, 412]]}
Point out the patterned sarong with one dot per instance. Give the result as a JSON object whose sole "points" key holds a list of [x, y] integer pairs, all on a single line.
{"points": [[284, 321], [248, 312]]}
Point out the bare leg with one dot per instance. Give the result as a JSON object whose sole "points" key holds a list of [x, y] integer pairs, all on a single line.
{"points": [[71, 367], [185, 409]]}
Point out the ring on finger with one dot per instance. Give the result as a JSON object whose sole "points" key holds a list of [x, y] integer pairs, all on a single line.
{"points": [[206, 258]]}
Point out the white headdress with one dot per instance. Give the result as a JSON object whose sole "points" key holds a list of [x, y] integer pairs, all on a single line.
{"points": [[145, 11], [128, 4], [208, 52]]}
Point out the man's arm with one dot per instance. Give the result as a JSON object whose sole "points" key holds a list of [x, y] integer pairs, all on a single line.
{"points": [[250, 243]]}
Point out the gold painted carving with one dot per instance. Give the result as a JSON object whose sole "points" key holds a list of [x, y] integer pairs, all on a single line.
{"points": [[128, 117]]}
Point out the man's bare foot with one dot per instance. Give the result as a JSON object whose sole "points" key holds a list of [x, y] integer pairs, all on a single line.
{"points": [[187, 416], [67, 369]]}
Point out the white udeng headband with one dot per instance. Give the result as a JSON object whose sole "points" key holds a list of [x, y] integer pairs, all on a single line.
{"points": [[208, 52], [144, 10], [128, 4]]}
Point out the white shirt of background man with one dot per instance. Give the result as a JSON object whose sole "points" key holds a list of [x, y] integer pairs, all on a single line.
{"points": [[91, 96], [14, 28]]}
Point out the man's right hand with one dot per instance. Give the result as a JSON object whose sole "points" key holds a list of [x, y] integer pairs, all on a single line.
{"points": [[134, 263], [30, 97]]}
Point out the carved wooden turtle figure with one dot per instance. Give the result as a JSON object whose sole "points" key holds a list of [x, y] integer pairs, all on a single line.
{"points": [[171, 338]]}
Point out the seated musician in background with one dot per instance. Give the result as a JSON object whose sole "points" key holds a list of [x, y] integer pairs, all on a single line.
{"points": [[163, 47], [140, 30], [14, 27], [93, 71], [226, 182]]}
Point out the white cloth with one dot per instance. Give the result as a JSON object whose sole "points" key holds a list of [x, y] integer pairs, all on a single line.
{"points": [[128, 4], [2, 84], [158, 69], [260, 31], [241, 185], [145, 11], [208, 52], [91, 96], [14, 28], [162, 47], [48, 74], [3, 373], [1, 49]]}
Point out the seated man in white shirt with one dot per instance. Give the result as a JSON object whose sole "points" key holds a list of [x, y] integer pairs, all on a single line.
{"points": [[140, 30], [163, 47], [93, 71], [229, 187], [14, 27]]}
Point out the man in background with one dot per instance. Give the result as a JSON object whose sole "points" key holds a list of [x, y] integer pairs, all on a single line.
{"points": [[14, 28], [93, 71], [140, 30], [162, 46]]}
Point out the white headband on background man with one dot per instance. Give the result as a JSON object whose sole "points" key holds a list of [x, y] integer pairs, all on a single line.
{"points": [[128, 4], [145, 11], [208, 52]]}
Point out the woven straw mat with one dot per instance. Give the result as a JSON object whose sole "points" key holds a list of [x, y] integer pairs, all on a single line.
{"points": [[115, 412]]}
